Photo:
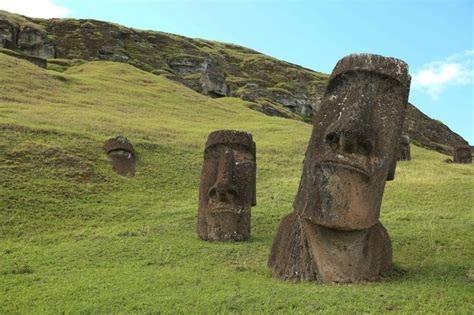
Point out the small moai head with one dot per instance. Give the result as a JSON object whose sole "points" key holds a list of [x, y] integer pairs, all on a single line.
{"points": [[228, 186], [354, 145], [462, 154], [404, 148], [121, 154]]}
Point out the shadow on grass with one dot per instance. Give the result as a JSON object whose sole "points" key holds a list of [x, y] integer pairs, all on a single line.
{"points": [[397, 273]]}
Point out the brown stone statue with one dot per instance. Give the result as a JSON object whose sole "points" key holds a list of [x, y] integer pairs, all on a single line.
{"points": [[404, 148], [121, 154], [462, 154], [228, 186], [334, 233]]}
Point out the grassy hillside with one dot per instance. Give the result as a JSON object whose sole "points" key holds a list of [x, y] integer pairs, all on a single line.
{"points": [[77, 238], [269, 85]]}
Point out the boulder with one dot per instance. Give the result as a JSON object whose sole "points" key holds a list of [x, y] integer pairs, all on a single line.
{"points": [[462, 154]]}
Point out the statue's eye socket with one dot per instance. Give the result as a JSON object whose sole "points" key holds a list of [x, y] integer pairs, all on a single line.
{"points": [[241, 156], [364, 147], [332, 139]]}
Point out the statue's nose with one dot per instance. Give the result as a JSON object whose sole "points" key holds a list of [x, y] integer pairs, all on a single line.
{"points": [[224, 189], [349, 142], [351, 133]]}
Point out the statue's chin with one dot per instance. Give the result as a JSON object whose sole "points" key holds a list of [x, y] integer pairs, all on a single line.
{"points": [[346, 200], [228, 224], [346, 219]]}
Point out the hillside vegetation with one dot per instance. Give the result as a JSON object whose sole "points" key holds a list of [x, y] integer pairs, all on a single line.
{"points": [[269, 85], [77, 238]]}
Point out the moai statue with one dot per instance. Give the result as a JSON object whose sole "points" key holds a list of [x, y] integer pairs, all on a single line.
{"points": [[122, 155], [228, 186], [462, 154], [404, 148], [334, 233]]}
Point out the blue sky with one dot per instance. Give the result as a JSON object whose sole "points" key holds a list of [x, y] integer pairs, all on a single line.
{"points": [[435, 37]]}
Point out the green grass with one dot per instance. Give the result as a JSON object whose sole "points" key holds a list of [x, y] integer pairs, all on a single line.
{"points": [[77, 238]]}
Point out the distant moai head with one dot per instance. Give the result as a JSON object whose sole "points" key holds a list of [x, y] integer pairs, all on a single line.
{"points": [[228, 186], [404, 148], [462, 154], [121, 154], [354, 145]]}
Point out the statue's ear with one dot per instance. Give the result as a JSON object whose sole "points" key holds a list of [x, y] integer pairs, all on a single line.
{"points": [[391, 170]]}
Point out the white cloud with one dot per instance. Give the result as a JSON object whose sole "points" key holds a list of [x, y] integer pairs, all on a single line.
{"points": [[34, 8], [456, 70]]}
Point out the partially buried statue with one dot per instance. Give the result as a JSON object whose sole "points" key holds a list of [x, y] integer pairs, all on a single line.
{"points": [[228, 186], [334, 233], [404, 148], [462, 154], [121, 154]]}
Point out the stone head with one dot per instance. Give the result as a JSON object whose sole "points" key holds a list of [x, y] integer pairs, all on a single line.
{"points": [[404, 140], [121, 154], [354, 145], [228, 186], [462, 154], [404, 148]]}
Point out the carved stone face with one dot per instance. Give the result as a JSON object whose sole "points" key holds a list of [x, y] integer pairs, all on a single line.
{"points": [[354, 144], [121, 153], [404, 148], [228, 186], [462, 154]]}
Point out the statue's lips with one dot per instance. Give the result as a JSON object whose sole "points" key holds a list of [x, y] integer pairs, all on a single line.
{"points": [[352, 167], [225, 209]]}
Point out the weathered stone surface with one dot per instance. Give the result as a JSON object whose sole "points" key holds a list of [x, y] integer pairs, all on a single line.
{"points": [[121, 153], [29, 40], [428, 133], [298, 102], [405, 154], [211, 79], [334, 233], [34, 43], [40, 62], [303, 251], [7, 35], [187, 64], [228, 186], [462, 154]]}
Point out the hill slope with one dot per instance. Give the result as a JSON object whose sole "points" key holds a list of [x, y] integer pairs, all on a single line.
{"points": [[215, 69], [77, 238]]}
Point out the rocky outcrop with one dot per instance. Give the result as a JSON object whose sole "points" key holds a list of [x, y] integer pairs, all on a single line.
{"points": [[298, 103], [89, 40], [40, 62], [34, 43], [276, 88], [429, 133], [26, 37], [7, 35], [211, 79]]}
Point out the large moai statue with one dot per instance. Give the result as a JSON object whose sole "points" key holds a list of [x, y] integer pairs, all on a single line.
{"points": [[334, 233], [121, 153], [462, 154], [404, 148], [228, 186]]}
